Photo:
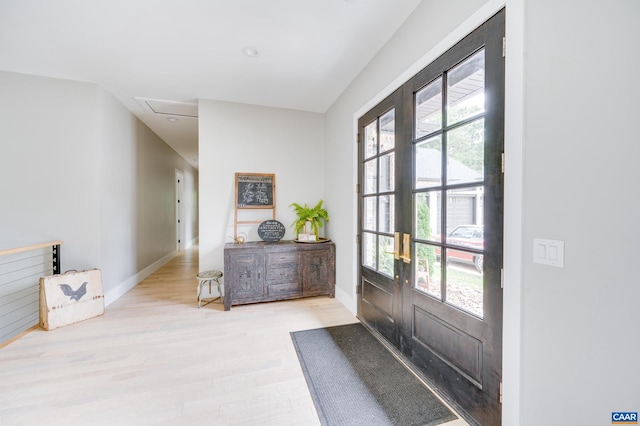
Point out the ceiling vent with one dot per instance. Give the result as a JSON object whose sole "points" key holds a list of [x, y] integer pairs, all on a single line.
{"points": [[160, 107]]}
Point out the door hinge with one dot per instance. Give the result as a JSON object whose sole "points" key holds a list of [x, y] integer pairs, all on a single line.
{"points": [[357, 188], [504, 47], [502, 278], [500, 396], [502, 167], [358, 138]]}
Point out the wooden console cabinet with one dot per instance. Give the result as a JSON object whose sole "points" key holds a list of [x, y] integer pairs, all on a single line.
{"points": [[264, 272]]}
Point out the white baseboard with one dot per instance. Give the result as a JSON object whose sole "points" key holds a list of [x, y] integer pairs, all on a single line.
{"points": [[348, 300], [122, 288]]}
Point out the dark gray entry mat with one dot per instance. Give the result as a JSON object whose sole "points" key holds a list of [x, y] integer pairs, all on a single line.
{"points": [[355, 380]]}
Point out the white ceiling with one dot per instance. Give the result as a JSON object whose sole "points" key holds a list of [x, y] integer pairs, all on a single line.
{"points": [[179, 51]]}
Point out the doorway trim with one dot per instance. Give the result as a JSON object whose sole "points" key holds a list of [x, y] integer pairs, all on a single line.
{"points": [[179, 202], [513, 209]]}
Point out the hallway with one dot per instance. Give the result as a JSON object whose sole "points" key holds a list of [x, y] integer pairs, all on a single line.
{"points": [[154, 358]]}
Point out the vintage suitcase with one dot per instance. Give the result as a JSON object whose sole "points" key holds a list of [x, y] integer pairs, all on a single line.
{"points": [[70, 297]]}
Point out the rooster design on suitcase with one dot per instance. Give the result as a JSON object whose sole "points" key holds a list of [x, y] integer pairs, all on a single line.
{"points": [[74, 294]]}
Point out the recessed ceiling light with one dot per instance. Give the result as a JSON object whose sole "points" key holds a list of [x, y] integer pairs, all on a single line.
{"points": [[172, 119], [250, 51]]}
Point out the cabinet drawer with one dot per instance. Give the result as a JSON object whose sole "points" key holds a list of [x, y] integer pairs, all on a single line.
{"points": [[283, 289], [282, 257], [283, 273]]}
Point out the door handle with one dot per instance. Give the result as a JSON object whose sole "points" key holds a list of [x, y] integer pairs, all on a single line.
{"points": [[396, 246], [406, 248]]}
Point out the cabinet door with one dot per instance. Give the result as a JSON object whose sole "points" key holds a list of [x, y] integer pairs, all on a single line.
{"points": [[317, 272], [247, 275]]}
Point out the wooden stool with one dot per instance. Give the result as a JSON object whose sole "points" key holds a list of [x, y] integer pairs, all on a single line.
{"points": [[207, 277]]}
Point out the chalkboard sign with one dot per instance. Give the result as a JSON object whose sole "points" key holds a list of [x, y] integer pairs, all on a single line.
{"points": [[255, 190], [271, 231]]}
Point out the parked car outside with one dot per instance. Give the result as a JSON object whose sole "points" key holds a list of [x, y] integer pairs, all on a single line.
{"points": [[471, 236]]}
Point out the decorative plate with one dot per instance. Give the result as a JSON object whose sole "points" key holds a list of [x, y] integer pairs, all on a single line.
{"points": [[271, 231], [321, 240]]}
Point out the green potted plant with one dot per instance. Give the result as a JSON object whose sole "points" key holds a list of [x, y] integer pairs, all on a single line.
{"points": [[314, 216]]}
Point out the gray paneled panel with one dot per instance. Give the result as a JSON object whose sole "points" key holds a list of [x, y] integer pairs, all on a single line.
{"points": [[20, 261], [6, 302], [20, 307], [455, 347], [20, 290], [378, 297], [15, 328], [11, 288]]}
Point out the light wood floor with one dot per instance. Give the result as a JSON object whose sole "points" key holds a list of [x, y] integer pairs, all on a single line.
{"points": [[154, 358]]}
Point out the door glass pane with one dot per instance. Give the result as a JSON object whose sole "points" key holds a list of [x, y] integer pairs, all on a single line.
{"points": [[429, 109], [428, 160], [387, 210], [465, 219], [464, 282], [370, 140], [369, 214], [427, 216], [427, 270], [385, 251], [369, 250], [370, 176], [387, 173], [465, 89], [465, 153], [388, 131]]}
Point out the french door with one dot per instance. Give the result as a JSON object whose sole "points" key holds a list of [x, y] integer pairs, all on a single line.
{"points": [[380, 187], [430, 220]]}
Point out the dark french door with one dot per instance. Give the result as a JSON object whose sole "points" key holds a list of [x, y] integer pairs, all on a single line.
{"points": [[430, 220], [380, 170]]}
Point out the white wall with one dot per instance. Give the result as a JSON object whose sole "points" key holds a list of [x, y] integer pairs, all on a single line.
{"points": [[76, 165], [253, 139], [49, 165], [580, 323], [119, 195]]}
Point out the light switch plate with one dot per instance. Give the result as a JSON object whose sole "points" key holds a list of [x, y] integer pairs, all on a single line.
{"points": [[548, 252]]}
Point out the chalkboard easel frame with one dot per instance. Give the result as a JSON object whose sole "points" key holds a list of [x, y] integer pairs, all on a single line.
{"points": [[254, 191]]}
